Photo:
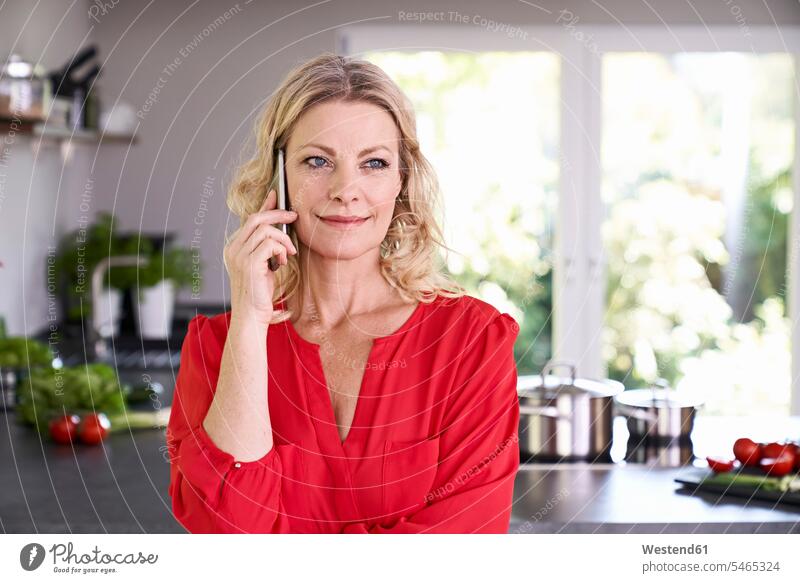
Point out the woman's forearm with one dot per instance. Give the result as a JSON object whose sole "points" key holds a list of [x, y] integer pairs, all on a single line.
{"points": [[238, 419]]}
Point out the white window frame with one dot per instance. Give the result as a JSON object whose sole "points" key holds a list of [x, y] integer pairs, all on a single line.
{"points": [[580, 263]]}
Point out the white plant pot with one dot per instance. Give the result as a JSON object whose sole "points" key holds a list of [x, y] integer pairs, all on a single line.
{"points": [[106, 313], [154, 309]]}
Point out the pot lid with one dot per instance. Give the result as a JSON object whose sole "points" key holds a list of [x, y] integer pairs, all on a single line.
{"points": [[661, 398], [532, 386]]}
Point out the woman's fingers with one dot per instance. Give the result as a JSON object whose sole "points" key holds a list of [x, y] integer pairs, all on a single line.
{"points": [[261, 222], [268, 248], [268, 224], [251, 222], [273, 216], [266, 230], [267, 207], [246, 229]]}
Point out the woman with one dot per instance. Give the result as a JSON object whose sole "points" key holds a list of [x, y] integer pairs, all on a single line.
{"points": [[356, 389]]}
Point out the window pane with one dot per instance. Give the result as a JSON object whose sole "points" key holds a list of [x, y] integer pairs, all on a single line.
{"points": [[697, 154], [489, 123]]}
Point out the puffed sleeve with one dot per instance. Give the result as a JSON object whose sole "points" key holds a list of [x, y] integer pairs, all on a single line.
{"points": [[211, 492], [479, 453]]}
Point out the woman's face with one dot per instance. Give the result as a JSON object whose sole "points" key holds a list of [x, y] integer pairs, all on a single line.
{"points": [[342, 160]]}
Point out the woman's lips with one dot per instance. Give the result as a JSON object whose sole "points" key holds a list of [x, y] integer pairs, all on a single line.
{"points": [[342, 222]]}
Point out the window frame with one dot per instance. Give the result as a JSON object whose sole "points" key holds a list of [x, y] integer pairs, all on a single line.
{"points": [[579, 270]]}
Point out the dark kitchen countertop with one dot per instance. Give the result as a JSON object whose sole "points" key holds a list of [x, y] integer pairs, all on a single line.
{"points": [[634, 498], [121, 487], [641, 496]]}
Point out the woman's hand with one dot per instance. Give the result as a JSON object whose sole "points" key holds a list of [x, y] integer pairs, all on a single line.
{"points": [[246, 259]]}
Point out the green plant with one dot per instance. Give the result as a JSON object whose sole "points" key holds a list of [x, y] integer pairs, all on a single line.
{"points": [[174, 263], [79, 253]]}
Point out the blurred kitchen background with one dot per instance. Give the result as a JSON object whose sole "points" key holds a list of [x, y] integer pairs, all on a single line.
{"points": [[620, 178]]}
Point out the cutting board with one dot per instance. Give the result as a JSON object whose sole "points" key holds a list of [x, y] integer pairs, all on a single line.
{"points": [[696, 479]]}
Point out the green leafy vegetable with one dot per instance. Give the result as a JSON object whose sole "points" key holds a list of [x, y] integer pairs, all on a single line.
{"points": [[21, 352], [79, 389], [763, 482]]}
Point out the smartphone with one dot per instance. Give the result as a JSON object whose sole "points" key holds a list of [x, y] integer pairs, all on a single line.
{"points": [[283, 200]]}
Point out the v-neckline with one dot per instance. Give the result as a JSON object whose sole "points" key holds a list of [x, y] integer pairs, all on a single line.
{"points": [[330, 423], [359, 398]]}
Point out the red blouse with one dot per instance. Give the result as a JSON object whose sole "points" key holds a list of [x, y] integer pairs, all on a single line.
{"points": [[432, 447]]}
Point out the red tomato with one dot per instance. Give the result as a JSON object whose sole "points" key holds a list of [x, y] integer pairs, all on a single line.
{"points": [[94, 428], [797, 457], [779, 466], [747, 451], [719, 465], [63, 429], [775, 450]]}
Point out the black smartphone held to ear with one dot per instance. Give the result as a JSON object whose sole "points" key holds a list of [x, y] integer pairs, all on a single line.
{"points": [[283, 201]]}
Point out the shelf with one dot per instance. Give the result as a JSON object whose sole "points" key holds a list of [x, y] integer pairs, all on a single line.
{"points": [[37, 128], [81, 135]]}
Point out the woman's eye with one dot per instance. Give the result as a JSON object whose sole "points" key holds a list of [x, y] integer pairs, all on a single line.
{"points": [[377, 164], [320, 162], [314, 161]]}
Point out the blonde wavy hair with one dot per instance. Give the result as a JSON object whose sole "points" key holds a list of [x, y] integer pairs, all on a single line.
{"points": [[408, 259]]}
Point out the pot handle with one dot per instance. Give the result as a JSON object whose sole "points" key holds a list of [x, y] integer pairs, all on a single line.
{"points": [[543, 410], [547, 369], [636, 412]]}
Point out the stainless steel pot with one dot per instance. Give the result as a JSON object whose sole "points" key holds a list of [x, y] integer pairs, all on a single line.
{"points": [[24, 90], [565, 418], [658, 413]]}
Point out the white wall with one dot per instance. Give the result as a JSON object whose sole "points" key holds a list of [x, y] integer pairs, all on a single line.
{"points": [[35, 186]]}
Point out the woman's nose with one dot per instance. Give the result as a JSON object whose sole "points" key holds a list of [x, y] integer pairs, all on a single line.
{"points": [[345, 185]]}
